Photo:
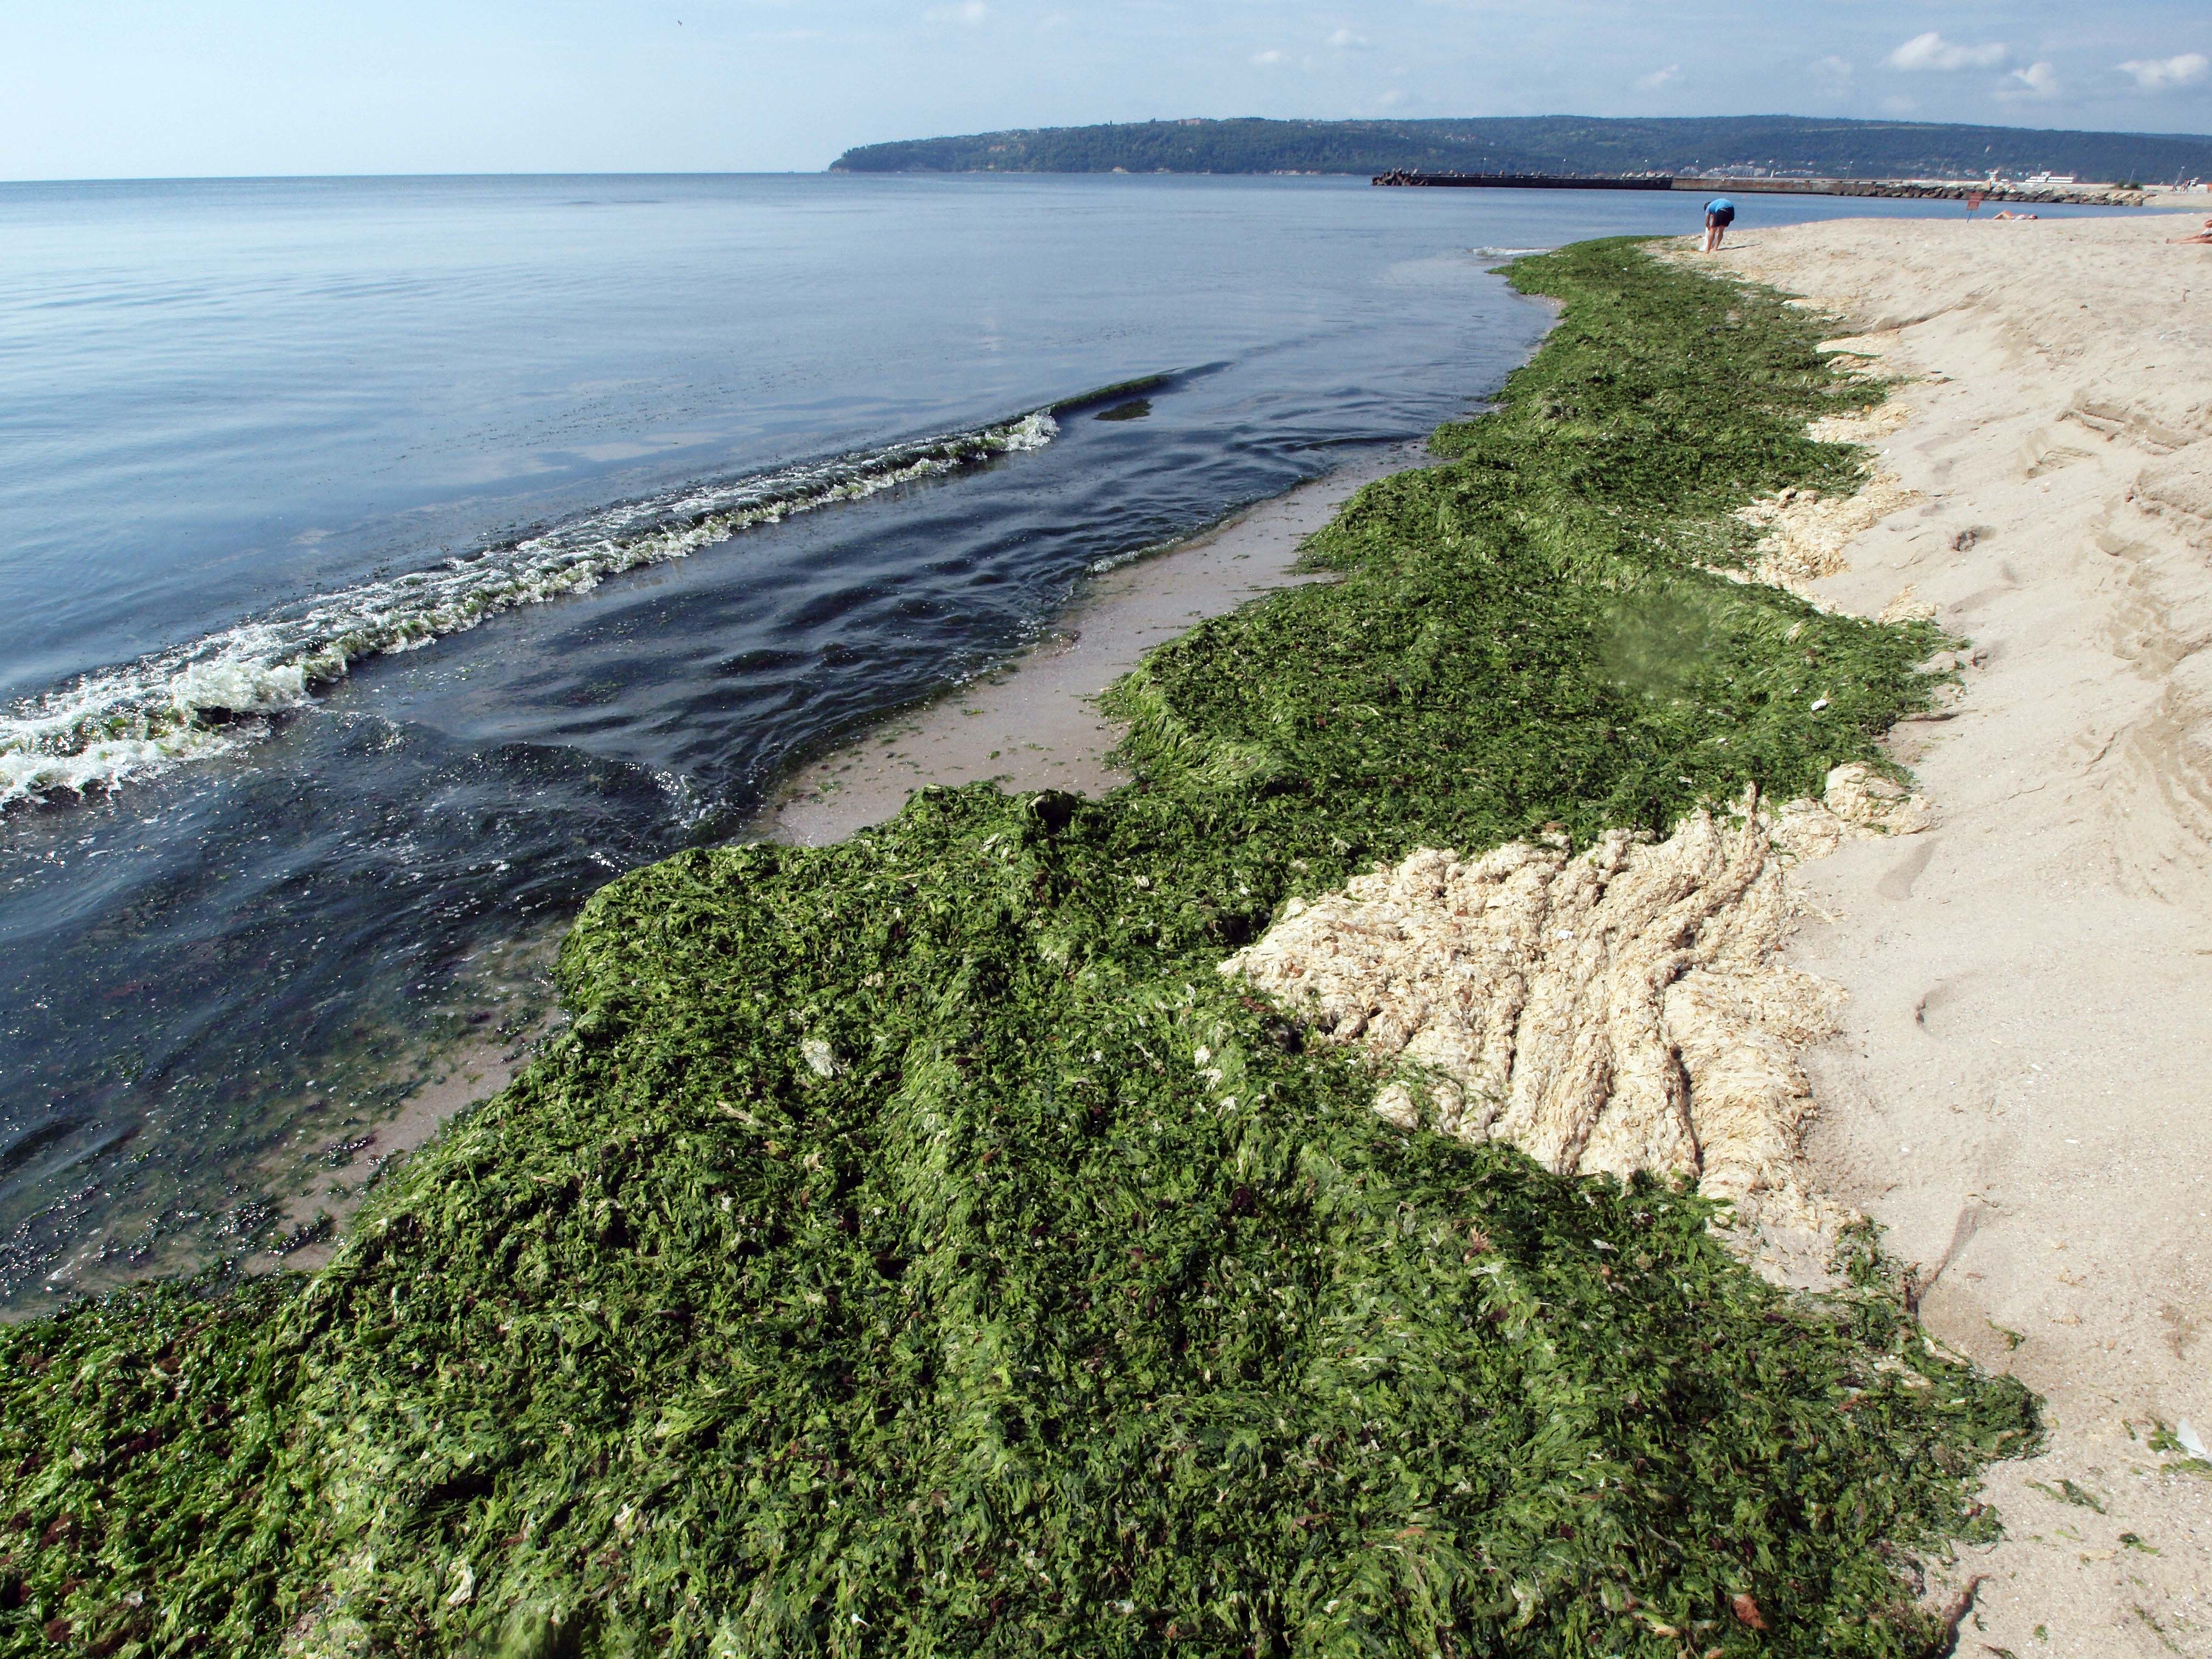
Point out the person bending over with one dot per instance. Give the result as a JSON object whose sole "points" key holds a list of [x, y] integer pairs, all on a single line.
{"points": [[1720, 214]]}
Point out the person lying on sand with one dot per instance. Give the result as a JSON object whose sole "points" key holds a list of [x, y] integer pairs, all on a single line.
{"points": [[2008, 214], [2203, 235], [1720, 214]]}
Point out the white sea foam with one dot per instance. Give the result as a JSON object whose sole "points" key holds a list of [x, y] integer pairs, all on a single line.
{"points": [[187, 702]]}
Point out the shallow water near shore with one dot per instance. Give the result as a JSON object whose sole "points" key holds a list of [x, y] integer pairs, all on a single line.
{"points": [[671, 482]]}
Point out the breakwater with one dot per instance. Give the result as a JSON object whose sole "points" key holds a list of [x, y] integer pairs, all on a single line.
{"points": [[1893, 188], [1527, 180]]}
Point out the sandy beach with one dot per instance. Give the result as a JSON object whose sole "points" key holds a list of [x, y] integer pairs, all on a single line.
{"points": [[1007, 1113], [2019, 1091]]}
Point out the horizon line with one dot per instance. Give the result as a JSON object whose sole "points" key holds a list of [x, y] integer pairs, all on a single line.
{"points": [[348, 178], [830, 168]]}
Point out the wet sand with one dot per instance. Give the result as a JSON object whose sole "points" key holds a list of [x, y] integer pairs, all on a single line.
{"points": [[1036, 723], [327, 1179]]}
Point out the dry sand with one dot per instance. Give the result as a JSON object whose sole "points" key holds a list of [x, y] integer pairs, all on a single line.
{"points": [[2021, 1093]]}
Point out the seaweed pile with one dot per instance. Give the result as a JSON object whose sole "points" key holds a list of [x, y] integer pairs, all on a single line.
{"points": [[915, 1246]]}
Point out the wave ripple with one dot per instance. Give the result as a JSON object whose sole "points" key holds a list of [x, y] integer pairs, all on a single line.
{"points": [[199, 700]]}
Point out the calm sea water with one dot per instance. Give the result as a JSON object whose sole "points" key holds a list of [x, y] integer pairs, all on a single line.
{"points": [[386, 564]]}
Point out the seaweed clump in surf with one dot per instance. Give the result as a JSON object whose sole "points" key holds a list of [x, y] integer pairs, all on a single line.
{"points": [[914, 1246]]}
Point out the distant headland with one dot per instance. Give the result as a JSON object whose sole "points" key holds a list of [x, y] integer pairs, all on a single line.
{"points": [[1750, 145]]}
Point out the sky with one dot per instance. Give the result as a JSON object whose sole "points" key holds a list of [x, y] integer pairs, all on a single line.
{"points": [[150, 88]]}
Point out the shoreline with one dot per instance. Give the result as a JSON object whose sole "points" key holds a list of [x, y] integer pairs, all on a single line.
{"points": [[1051, 689], [313, 1183], [328, 1187], [2017, 1091], [286, 1203], [1033, 723]]}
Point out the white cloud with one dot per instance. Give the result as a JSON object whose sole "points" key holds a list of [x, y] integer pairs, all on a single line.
{"points": [[970, 12], [1270, 56], [1659, 78], [2158, 74], [1345, 39], [1393, 98], [1836, 71], [1932, 51], [2036, 80]]}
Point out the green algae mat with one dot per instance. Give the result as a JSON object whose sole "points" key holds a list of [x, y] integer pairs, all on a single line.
{"points": [[914, 1247]]}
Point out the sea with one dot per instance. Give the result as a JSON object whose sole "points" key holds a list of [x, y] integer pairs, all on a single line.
{"points": [[386, 564]]}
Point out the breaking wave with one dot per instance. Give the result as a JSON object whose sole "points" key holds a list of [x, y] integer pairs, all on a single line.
{"points": [[201, 699]]}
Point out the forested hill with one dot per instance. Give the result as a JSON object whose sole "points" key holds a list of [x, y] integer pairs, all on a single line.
{"points": [[1550, 143]]}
